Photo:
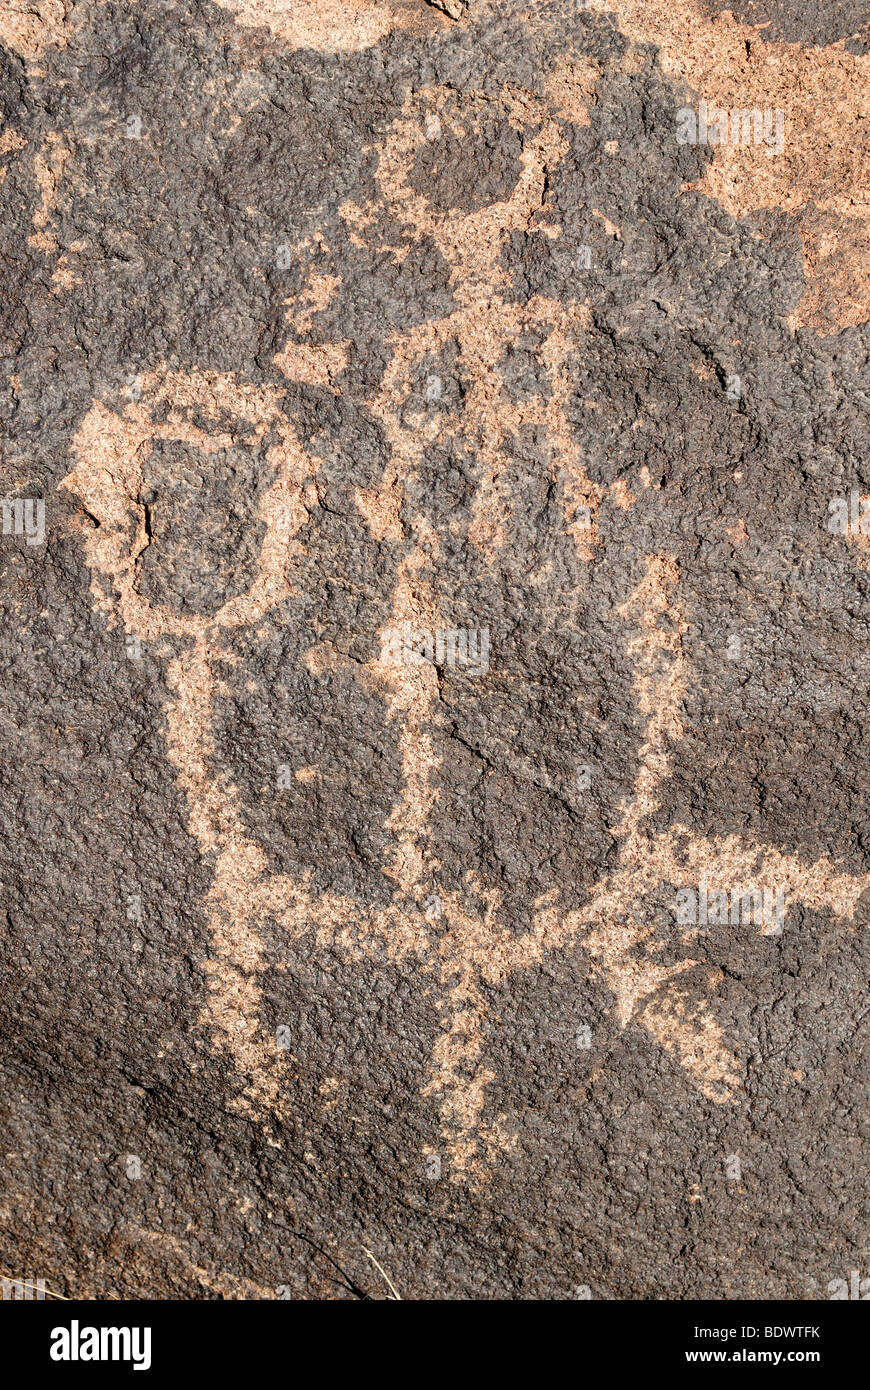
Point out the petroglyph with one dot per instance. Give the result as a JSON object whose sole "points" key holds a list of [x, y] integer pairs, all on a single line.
{"points": [[110, 450], [471, 949]]}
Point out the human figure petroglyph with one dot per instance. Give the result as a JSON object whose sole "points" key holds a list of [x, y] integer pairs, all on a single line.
{"points": [[460, 952]]}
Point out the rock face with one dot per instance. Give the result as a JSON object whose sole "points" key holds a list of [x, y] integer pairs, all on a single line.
{"points": [[435, 623]]}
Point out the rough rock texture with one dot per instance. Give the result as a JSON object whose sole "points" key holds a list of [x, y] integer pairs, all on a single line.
{"points": [[326, 330]]}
